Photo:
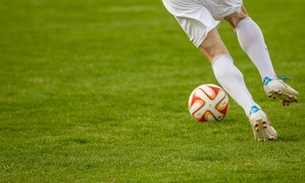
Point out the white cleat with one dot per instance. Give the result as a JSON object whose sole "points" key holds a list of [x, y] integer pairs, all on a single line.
{"points": [[277, 88], [261, 126]]}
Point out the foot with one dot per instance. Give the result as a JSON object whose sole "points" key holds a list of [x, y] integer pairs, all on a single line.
{"points": [[277, 88], [261, 126]]}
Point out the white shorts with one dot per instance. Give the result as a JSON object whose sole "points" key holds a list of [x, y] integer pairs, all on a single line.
{"points": [[198, 17]]}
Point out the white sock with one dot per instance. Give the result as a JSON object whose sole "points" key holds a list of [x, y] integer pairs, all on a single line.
{"points": [[232, 81], [252, 41]]}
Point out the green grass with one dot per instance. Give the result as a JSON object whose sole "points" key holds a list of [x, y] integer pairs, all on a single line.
{"points": [[96, 91]]}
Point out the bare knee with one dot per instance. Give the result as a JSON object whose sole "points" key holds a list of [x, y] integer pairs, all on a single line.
{"points": [[236, 17]]}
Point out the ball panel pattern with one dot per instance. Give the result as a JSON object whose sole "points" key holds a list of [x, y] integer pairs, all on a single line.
{"points": [[208, 102]]}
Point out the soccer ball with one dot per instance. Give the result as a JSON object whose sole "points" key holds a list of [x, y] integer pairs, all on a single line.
{"points": [[208, 102]]}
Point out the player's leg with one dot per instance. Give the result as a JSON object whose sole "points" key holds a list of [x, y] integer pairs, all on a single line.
{"points": [[201, 28], [252, 41], [231, 79]]}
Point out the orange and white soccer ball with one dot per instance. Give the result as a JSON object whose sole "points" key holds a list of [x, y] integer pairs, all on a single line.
{"points": [[208, 102]]}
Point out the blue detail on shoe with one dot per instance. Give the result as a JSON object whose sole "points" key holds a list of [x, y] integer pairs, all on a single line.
{"points": [[284, 78], [254, 109], [266, 80]]}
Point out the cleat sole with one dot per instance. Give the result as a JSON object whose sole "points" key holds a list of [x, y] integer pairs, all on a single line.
{"points": [[279, 89]]}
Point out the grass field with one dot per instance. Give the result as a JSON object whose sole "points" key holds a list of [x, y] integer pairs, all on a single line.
{"points": [[96, 91]]}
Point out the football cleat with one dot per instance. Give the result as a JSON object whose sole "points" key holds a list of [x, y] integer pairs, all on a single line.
{"points": [[261, 126], [277, 88]]}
